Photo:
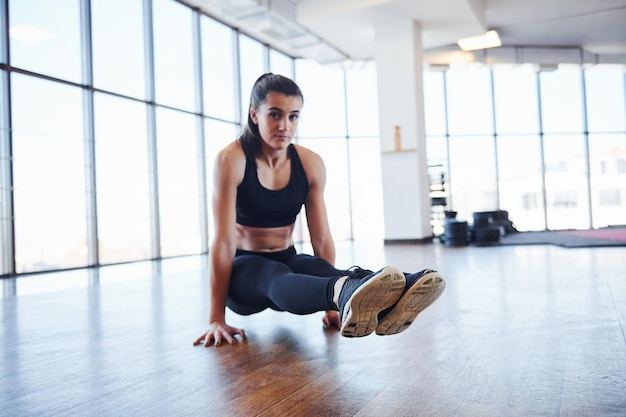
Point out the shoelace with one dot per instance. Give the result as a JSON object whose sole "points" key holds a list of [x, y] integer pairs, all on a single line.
{"points": [[356, 272]]}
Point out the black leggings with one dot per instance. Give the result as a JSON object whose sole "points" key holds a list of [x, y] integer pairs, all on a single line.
{"points": [[282, 281]]}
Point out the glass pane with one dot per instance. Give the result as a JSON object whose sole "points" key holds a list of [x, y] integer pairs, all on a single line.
{"points": [[606, 110], [469, 101], [438, 176], [566, 182], [218, 61], [49, 175], [436, 149], [123, 193], [472, 175], [218, 135], [324, 113], [179, 186], [362, 99], [515, 93], [45, 37], [366, 188], [608, 179], [561, 100], [281, 64], [173, 55], [252, 66], [334, 152], [3, 44], [521, 185], [118, 55], [5, 184], [434, 103]]}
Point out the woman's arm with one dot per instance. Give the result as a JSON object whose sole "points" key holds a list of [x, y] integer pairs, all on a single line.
{"points": [[228, 173]]}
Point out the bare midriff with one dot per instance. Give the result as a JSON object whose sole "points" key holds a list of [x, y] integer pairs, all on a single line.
{"points": [[264, 239]]}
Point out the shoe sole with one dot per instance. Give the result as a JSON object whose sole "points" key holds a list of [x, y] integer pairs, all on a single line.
{"points": [[416, 299], [381, 291]]}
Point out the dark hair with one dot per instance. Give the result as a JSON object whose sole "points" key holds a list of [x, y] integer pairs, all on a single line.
{"points": [[250, 137]]}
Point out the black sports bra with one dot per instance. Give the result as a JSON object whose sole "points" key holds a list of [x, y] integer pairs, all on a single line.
{"points": [[258, 206]]}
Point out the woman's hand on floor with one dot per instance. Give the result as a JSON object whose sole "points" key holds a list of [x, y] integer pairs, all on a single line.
{"points": [[331, 319], [218, 332]]}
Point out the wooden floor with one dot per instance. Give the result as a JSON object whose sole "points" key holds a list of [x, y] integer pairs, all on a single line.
{"points": [[519, 331]]}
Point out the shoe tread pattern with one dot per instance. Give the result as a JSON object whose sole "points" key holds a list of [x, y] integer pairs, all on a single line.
{"points": [[416, 299], [360, 316]]}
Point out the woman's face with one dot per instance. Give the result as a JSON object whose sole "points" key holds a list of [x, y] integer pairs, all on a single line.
{"points": [[277, 119]]}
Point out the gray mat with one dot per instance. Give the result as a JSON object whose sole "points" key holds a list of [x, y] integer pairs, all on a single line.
{"points": [[558, 239]]}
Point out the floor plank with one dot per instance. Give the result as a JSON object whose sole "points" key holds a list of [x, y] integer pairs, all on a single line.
{"points": [[519, 331]]}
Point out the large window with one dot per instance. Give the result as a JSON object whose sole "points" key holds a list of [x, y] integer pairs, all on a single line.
{"points": [[218, 65], [606, 110], [48, 175], [521, 180], [112, 134], [174, 74], [218, 134], [322, 128], [123, 171], [321, 116], [437, 144], [362, 102], [180, 195], [281, 64], [567, 196], [559, 140], [520, 171], [470, 108], [334, 152], [562, 100], [608, 178], [45, 37], [122, 178], [515, 96], [6, 215], [606, 102], [472, 155], [473, 174], [563, 124], [252, 64], [435, 98], [119, 55], [366, 191]]}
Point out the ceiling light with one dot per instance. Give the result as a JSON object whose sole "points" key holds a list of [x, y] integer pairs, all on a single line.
{"points": [[322, 52], [547, 67], [276, 26], [239, 9], [489, 39]]}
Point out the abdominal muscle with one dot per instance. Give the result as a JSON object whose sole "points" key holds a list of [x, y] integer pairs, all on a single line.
{"points": [[264, 239]]}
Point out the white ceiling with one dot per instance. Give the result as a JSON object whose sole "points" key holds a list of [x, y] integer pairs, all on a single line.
{"points": [[597, 26]]}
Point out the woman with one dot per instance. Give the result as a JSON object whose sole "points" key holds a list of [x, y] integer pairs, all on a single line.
{"points": [[261, 182]]}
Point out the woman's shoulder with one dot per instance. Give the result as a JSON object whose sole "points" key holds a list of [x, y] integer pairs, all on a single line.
{"points": [[307, 155], [231, 158], [231, 152], [312, 163]]}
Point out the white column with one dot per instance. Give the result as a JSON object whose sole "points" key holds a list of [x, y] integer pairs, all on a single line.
{"points": [[399, 62]]}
